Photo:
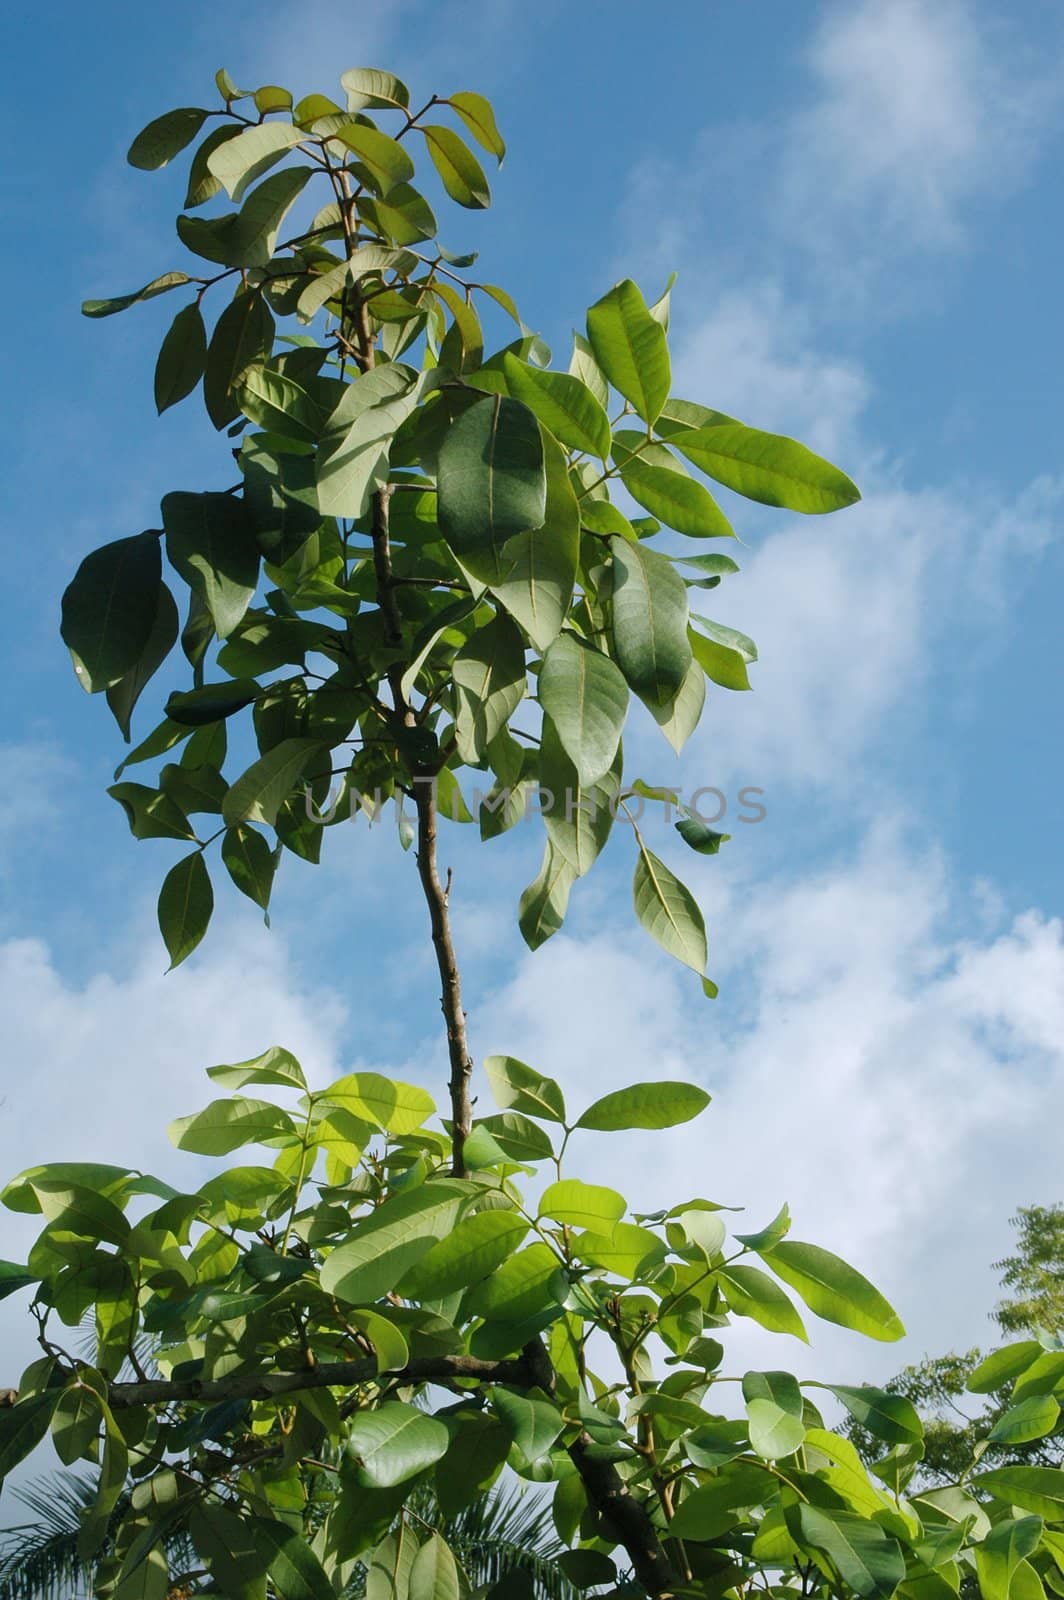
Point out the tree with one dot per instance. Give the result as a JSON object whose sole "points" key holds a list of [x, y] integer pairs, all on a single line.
{"points": [[943, 1386], [384, 1306]]}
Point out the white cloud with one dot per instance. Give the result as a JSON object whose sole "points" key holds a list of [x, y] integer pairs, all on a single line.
{"points": [[895, 1083], [95, 1071], [919, 106], [850, 611]]}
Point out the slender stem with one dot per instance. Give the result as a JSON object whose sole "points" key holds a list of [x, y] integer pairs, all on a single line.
{"points": [[436, 898]]}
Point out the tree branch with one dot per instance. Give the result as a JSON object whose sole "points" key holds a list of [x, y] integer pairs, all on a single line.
{"points": [[447, 962], [326, 1375]]}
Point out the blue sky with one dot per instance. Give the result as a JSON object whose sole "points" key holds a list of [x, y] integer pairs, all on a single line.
{"points": [[862, 203]]}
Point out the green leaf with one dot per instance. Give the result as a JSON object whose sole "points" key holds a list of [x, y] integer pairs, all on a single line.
{"points": [[645, 1105], [210, 542], [280, 405], [533, 1425], [243, 335], [274, 1066], [460, 171], [865, 1557], [23, 1426], [1002, 1366], [582, 1205], [631, 348], [649, 606], [122, 696], [833, 1290], [709, 1511], [767, 467], [890, 1417], [491, 483], [679, 716], [699, 837], [160, 285], [586, 697], [479, 118], [562, 403], [258, 794], [165, 137], [520, 1288], [250, 238], [720, 660], [13, 1278], [668, 911], [394, 1443], [227, 1125], [517, 1087], [391, 1241], [578, 817], [76, 1422], [295, 1571], [543, 904], [537, 588], [398, 1108], [489, 678], [752, 1293], [202, 184], [237, 163], [186, 901], [774, 1413], [1036, 1489], [476, 1247], [151, 814], [654, 477], [182, 358], [198, 708], [353, 459], [110, 609], [250, 862], [369, 89], [1001, 1558], [626, 1250], [434, 1572], [405, 217], [382, 156], [1033, 1418], [583, 365]]}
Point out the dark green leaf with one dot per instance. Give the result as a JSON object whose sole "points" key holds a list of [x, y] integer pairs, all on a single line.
{"points": [[258, 794], [250, 862], [123, 695], [182, 358], [243, 335], [209, 540], [165, 138], [491, 482], [186, 901], [110, 610]]}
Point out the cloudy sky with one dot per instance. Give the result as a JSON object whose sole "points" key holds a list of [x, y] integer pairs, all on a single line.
{"points": [[862, 203]]}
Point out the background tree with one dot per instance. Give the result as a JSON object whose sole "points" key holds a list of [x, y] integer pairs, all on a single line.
{"points": [[420, 542], [941, 1386]]}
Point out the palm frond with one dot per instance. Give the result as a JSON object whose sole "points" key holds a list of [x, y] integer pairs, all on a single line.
{"points": [[39, 1559]]}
